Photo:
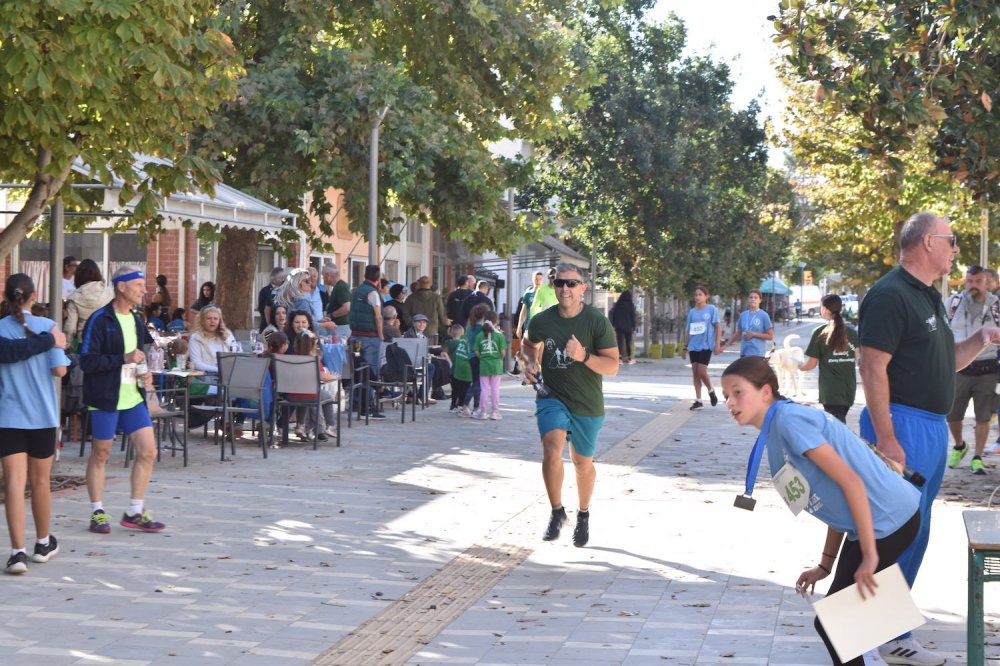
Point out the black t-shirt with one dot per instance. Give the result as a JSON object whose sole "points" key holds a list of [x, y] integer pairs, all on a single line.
{"points": [[904, 317]]}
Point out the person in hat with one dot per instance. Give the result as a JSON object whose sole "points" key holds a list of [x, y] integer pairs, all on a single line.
{"points": [[112, 361], [417, 330]]}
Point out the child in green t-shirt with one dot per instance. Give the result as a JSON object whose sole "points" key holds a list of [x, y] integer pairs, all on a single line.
{"points": [[461, 371], [490, 346]]}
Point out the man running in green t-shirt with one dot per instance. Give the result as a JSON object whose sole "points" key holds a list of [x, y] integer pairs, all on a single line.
{"points": [[577, 347]]}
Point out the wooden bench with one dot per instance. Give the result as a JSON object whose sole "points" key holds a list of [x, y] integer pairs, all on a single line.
{"points": [[983, 530]]}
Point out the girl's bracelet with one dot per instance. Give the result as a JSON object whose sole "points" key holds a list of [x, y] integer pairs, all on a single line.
{"points": [[824, 569]]}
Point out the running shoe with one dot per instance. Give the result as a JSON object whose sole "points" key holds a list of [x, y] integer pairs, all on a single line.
{"points": [[873, 658], [100, 522], [712, 398], [556, 521], [495, 416], [141, 521], [697, 405], [977, 466], [909, 651], [955, 455], [17, 564], [480, 416], [331, 432], [631, 361], [465, 413], [581, 533], [45, 553]]}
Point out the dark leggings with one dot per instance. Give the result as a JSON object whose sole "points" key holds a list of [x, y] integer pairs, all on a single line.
{"points": [[838, 412], [472, 394], [624, 342], [889, 549], [458, 389]]}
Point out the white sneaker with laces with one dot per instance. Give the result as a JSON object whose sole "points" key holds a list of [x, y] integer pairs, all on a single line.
{"points": [[331, 431], [909, 651]]}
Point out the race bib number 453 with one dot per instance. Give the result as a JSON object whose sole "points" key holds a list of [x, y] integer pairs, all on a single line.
{"points": [[793, 487]]}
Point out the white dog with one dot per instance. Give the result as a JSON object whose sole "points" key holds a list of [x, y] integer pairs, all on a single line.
{"points": [[785, 362]]}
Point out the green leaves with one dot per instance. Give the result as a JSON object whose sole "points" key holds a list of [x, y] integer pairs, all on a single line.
{"points": [[903, 67], [660, 171]]}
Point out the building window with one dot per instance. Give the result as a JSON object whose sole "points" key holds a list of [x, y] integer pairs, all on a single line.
{"points": [[357, 271], [412, 273], [392, 271], [206, 262], [125, 250], [414, 231]]}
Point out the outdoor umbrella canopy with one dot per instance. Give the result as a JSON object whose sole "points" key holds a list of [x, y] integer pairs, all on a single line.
{"points": [[774, 286]]}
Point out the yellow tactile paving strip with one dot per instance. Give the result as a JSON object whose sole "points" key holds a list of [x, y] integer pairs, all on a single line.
{"points": [[393, 636]]}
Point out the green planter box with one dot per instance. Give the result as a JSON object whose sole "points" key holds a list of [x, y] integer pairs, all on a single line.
{"points": [[669, 350], [655, 351]]}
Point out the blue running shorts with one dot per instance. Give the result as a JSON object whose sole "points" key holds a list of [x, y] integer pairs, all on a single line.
{"points": [[105, 424], [581, 431]]}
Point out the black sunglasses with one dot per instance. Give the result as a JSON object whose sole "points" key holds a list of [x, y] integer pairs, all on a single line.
{"points": [[560, 282]]}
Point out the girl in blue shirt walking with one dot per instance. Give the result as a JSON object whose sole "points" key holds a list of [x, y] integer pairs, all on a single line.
{"points": [[702, 336], [29, 417]]}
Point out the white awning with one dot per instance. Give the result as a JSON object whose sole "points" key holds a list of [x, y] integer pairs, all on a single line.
{"points": [[228, 208]]}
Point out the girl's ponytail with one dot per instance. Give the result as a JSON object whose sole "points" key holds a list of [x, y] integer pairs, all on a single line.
{"points": [[19, 291]]}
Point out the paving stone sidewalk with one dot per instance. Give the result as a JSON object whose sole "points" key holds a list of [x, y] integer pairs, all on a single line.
{"points": [[430, 534]]}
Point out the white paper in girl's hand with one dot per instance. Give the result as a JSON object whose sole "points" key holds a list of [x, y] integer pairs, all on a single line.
{"points": [[855, 625]]}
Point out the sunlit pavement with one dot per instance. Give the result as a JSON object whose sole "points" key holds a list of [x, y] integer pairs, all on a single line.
{"points": [[278, 561]]}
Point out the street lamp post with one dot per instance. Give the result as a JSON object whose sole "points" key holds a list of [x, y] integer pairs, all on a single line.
{"points": [[802, 286]]}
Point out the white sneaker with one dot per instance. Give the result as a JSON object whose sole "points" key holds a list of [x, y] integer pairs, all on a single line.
{"points": [[331, 431], [873, 658], [909, 651]]}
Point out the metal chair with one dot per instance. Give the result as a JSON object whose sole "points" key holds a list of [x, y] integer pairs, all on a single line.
{"points": [[416, 349], [242, 377], [296, 374], [408, 380]]}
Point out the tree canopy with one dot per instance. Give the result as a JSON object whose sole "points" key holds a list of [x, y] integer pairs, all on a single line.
{"points": [[912, 72], [856, 199], [101, 80], [660, 171], [454, 76]]}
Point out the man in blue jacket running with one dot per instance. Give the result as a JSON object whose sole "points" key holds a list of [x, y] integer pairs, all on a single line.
{"points": [[110, 353]]}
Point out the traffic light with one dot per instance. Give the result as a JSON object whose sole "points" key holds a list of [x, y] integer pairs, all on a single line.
{"points": [[807, 277]]}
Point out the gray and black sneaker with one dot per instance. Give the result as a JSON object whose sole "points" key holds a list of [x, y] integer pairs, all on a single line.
{"points": [[42, 553], [556, 521], [696, 406], [17, 564], [581, 533]]}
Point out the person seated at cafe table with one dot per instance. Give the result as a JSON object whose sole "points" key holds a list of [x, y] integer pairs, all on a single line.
{"points": [[439, 369], [279, 320], [176, 323], [390, 325], [298, 321], [210, 337]]}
